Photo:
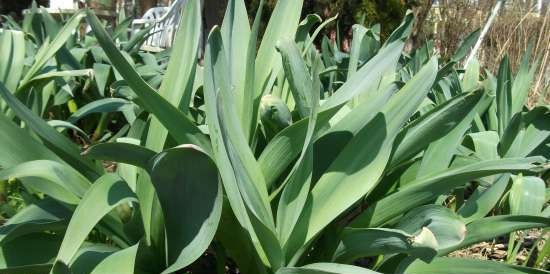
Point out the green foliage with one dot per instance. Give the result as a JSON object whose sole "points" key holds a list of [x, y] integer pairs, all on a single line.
{"points": [[269, 154]]}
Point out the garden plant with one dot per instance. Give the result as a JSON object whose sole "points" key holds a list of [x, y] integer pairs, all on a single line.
{"points": [[279, 154]]}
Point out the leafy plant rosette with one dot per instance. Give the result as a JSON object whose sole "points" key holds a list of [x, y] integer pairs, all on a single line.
{"points": [[283, 159]]}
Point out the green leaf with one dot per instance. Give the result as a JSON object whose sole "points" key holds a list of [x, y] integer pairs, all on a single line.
{"points": [[104, 105], [12, 46], [434, 125], [58, 124], [402, 32], [236, 35], [60, 181], [486, 229], [359, 33], [121, 262], [466, 46], [244, 197], [356, 243], [366, 80], [48, 50], [466, 266], [526, 132], [362, 162], [121, 153], [186, 182], [177, 85], [21, 256], [285, 147], [45, 215], [447, 227], [175, 121], [298, 184], [471, 76], [523, 80], [427, 188], [18, 146], [325, 268], [527, 195], [101, 76], [251, 102], [53, 139], [483, 200], [87, 258], [504, 95], [297, 74], [439, 153], [282, 24], [103, 196]]}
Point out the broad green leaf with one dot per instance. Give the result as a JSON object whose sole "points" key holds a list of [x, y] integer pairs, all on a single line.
{"points": [[247, 173], [287, 145], [439, 153], [121, 153], [18, 146], [245, 198], [175, 121], [488, 228], [45, 215], [246, 168], [297, 74], [284, 148], [483, 200], [305, 27], [251, 102], [100, 106], [402, 32], [49, 49], [53, 139], [357, 243], [282, 24], [177, 86], [527, 195], [466, 46], [434, 125], [485, 144], [101, 76], [87, 257], [186, 182], [426, 189], [121, 262], [359, 33], [504, 95], [21, 256], [60, 181], [471, 76], [103, 196], [315, 33], [522, 81], [447, 227], [298, 184], [325, 268], [331, 141], [363, 160], [236, 35], [366, 80], [12, 46], [466, 266], [58, 124], [526, 132]]}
